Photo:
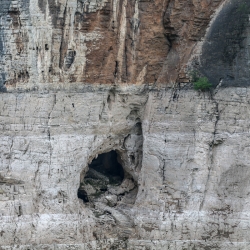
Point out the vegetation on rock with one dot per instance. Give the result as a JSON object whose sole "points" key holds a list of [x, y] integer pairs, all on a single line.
{"points": [[202, 84], [199, 82]]}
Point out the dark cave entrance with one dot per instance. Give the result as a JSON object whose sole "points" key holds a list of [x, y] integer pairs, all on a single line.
{"points": [[104, 172]]}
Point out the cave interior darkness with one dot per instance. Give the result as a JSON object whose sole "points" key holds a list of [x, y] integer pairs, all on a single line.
{"points": [[103, 172]]}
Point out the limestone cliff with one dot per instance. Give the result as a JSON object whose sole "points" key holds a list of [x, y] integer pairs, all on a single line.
{"points": [[83, 78], [99, 41]]}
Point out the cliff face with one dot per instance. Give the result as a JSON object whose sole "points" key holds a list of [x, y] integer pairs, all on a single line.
{"points": [[102, 41], [80, 79], [193, 181], [226, 47]]}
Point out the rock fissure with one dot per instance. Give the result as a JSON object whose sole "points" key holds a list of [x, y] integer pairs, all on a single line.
{"points": [[211, 148]]}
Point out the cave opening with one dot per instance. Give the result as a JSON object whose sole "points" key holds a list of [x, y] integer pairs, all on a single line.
{"points": [[104, 173]]}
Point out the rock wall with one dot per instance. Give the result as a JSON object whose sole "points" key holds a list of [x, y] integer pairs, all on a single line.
{"points": [[99, 41], [192, 185], [82, 78], [225, 54]]}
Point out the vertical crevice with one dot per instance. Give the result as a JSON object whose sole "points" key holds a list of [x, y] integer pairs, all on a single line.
{"points": [[116, 68], [211, 149], [122, 40], [125, 75], [63, 41], [170, 32], [49, 132], [111, 99]]}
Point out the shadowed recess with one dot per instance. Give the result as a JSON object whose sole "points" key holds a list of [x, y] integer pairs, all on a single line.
{"points": [[104, 171]]}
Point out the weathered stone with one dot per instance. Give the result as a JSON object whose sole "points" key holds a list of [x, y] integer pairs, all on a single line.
{"points": [[106, 41], [77, 82]]}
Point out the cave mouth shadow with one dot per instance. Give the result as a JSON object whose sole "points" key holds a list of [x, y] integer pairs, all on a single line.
{"points": [[104, 172]]}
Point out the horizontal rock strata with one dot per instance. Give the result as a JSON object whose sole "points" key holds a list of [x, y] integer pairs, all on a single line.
{"points": [[90, 86], [192, 185]]}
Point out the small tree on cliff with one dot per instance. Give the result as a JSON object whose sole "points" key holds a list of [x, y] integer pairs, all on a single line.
{"points": [[202, 84]]}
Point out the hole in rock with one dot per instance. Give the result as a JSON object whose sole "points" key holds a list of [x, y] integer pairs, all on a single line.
{"points": [[132, 157], [104, 175]]}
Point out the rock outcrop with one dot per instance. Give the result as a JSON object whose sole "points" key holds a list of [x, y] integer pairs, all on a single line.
{"points": [[81, 79], [104, 41]]}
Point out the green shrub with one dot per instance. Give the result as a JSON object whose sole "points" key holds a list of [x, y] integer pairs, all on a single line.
{"points": [[202, 84]]}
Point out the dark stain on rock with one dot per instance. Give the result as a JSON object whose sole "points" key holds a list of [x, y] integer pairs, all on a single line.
{"points": [[70, 58], [170, 31], [15, 15], [42, 5], [225, 51], [54, 11], [9, 181], [20, 76]]}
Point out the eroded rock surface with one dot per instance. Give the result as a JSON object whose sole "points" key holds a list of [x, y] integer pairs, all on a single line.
{"points": [[102, 41], [192, 181], [226, 49], [80, 79]]}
